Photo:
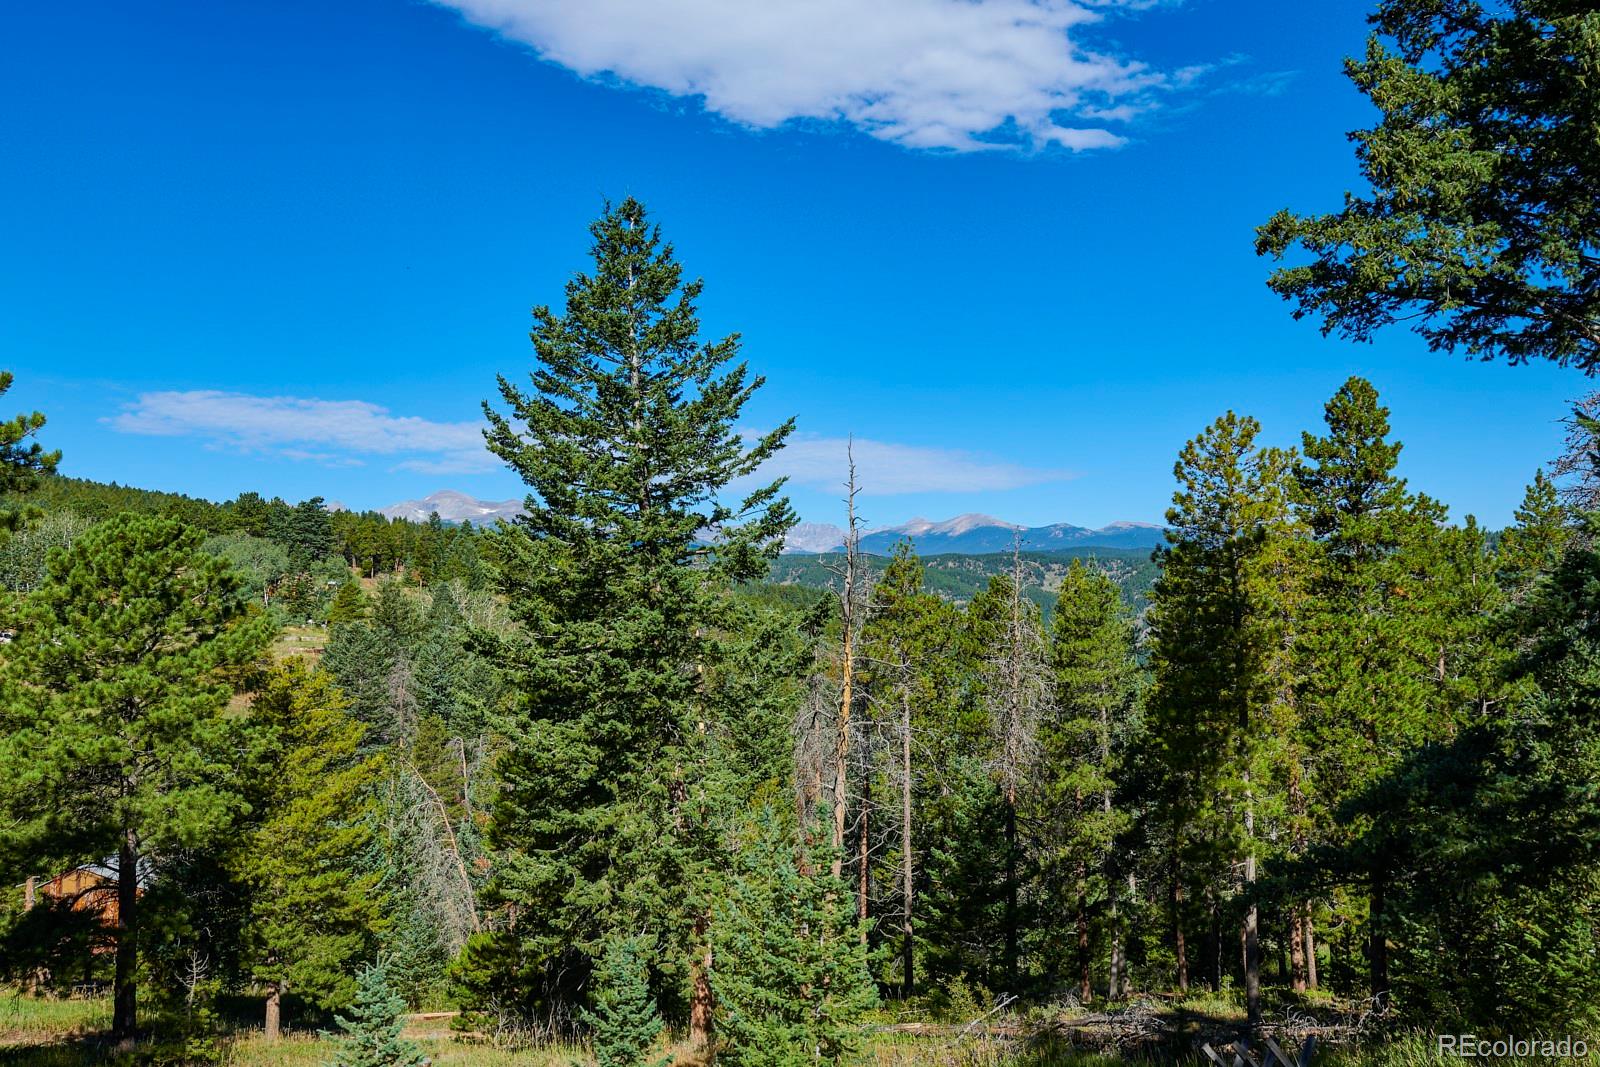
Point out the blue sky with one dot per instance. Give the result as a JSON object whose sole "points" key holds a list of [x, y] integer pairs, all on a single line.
{"points": [[286, 245]]}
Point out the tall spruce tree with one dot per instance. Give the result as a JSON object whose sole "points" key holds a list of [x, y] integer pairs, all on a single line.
{"points": [[114, 737], [1014, 691], [1536, 542], [627, 441]]}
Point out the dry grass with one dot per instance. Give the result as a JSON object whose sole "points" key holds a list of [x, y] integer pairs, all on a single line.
{"points": [[52, 1032], [307, 1051], [304, 641]]}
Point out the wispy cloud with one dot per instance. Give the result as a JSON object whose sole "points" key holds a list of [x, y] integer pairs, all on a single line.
{"points": [[884, 468], [946, 74], [303, 429]]}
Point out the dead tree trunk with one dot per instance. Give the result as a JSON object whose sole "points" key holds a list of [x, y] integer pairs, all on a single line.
{"points": [[1020, 680], [841, 764]]}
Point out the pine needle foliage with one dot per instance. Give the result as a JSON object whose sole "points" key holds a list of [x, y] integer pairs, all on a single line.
{"points": [[626, 437], [624, 1023], [114, 732], [370, 1036], [792, 976], [315, 912], [21, 456], [1479, 226]]}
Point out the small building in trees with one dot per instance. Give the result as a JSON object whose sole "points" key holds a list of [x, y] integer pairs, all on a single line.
{"points": [[91, 888]]}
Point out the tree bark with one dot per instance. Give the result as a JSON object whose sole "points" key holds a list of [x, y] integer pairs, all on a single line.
{"points": [[1214, 945], [1251, 937], [1311, 948], [1085, 983], [701, 1001], [1297, 948], [1114, 979], [841, 781], [125, 1005], [1011, 890], [841, 798], [274, 1011]]}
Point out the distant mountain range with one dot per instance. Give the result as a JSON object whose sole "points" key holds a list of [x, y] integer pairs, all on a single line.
{"points": [[959, 576], [975, 535], [968, 535], [453, 507]]}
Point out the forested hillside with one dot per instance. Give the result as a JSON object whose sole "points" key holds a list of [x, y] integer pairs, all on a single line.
{"points": [[962, 577]]}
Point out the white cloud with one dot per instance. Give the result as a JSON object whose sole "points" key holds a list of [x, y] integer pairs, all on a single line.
{"points": [[884, 468], [343, 433], [329, 432], [951, 74]]}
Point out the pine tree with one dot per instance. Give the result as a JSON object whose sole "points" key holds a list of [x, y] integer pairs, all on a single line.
{"points": [[626, 440], [624, 1023], [305, 531], [1221, 708], [371, 1035], [316, 908], [1490, 834], [115, 735], [1371, 640], [1478, 228], [21, 457], [349, 605], [1535, 544], [791, 980], [1096, 678], [908, 654]]}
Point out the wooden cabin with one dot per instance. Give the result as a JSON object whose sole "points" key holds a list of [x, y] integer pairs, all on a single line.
{"points": [[92, 888]]}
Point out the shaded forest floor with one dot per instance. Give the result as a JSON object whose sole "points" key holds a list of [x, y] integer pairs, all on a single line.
{"points": [[48, 1032]]}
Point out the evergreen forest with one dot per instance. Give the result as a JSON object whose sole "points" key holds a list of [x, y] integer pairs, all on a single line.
{"points": [[613, 783]]}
